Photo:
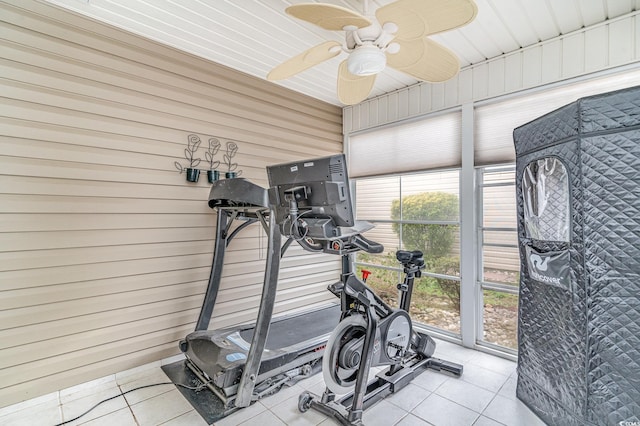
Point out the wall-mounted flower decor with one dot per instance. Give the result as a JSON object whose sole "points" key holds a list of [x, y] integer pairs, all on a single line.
{"points": [[213, 174], [193, 143], [232, 150], [214, 146]]}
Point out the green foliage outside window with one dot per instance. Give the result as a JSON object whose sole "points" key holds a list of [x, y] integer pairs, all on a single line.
{"points": [[434, 240]]}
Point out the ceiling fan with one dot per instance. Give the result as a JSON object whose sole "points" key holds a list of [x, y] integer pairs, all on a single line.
{"points": [[395, 37]]}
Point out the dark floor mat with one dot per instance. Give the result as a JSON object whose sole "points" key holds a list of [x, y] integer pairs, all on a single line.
{"points": [[292, 330], [206, 403]]}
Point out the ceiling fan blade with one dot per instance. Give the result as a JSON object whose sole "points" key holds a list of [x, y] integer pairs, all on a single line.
{"points": [[353, 89], [328, 16], [417, 18], [305, 60], [425, 60]]}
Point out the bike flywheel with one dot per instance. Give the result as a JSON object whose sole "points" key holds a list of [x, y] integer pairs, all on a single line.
{"points": [[342, 356]]}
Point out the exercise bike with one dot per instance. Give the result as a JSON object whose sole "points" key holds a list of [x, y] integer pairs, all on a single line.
{"points": [[370, 334], [312, 206]]}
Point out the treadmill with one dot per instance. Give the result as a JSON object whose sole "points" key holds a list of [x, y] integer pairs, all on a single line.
{"points": [[245, 363]]}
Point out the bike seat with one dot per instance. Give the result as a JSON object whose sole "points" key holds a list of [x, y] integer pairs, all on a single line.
{"points": [[407, 257]]}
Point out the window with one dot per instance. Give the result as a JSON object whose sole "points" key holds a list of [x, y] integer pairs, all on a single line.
{"points": [[499, 262], [419, 211], [545, 188], [547, 217]]}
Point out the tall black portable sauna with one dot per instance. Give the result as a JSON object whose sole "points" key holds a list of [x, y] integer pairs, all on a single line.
{"points": [[578, 198]]}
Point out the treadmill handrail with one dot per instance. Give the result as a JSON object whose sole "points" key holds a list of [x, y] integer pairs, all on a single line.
{"points": [[249, 377]]}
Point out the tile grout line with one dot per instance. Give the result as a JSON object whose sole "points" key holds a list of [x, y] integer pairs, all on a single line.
{"points": [[129, 406], [173, 418], [460, 405], [60, 407], [485, 408], [495, 394], [407, 414]]}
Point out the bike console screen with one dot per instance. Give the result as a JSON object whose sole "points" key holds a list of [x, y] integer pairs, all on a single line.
{"points": [[315, 191]]}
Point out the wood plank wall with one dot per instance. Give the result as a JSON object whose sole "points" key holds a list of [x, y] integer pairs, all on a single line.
{"points": [[105, 249]]}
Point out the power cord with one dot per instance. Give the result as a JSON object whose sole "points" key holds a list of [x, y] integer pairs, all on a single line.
{"points": [[193, 388], [295, 227]]}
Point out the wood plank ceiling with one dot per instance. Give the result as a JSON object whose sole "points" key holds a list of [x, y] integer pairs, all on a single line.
{"points": [[253, 36]]}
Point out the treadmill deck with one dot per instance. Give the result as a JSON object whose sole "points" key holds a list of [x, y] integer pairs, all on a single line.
{"points": [[295, 329]]}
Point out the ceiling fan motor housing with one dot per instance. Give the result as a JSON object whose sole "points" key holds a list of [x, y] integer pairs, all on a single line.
{"points": [[366, 60]]}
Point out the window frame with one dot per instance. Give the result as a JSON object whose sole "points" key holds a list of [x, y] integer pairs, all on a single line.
{"points": [[481, 283]]}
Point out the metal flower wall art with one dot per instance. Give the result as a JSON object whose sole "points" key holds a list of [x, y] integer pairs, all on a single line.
{"points": [[213, 174], [214, 146], [232, 150], [193, 143]]}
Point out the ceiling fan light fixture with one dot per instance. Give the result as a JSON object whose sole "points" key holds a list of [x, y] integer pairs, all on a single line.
{"points": [[366, 60]]}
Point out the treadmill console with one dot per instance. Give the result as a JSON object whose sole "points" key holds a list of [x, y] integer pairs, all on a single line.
{"points": [[237, 192]]}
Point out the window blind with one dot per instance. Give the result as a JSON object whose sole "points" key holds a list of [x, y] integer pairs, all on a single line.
{"points": [[494, 123], [431, 143]]}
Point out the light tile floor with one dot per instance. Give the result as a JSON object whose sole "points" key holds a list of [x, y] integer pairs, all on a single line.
{"points": [[483, 396]]}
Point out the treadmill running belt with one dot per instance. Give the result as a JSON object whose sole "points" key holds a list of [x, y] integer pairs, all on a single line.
{"points": [[299, 328]]}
